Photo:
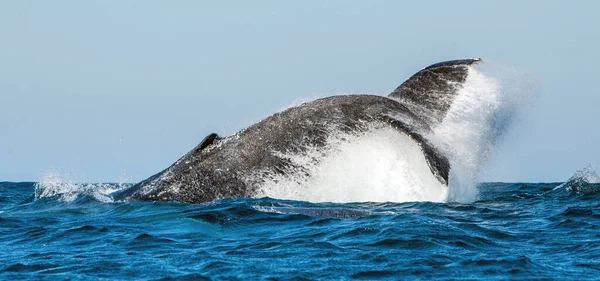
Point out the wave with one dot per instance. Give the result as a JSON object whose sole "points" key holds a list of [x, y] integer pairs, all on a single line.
{"points": [[498, 236], [584, 181], [331, 212]]}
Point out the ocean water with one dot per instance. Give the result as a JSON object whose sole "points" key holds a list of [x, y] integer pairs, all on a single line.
{"points": [[511, 231], [59, 230]]}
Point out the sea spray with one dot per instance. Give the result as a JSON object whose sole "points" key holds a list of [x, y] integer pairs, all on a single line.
{"points": [[54, 184], [378, 166], [491, 99], [465, 134], [584, 181]]}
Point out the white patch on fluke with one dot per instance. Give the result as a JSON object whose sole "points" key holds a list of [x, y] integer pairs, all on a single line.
{"points": [[379, 166]]}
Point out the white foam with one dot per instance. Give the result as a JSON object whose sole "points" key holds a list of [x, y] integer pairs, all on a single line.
{"points": [[54, 184], [586, 175], [379, 166]]}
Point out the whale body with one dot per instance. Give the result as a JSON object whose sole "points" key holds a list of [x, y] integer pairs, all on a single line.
{"points": [[239, 165]]}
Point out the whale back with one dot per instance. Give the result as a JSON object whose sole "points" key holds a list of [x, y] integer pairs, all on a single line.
{"points": [[274, 149], [431, 91]]}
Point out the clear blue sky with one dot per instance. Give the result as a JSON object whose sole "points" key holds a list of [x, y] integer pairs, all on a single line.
{"points": [[118, 90]]}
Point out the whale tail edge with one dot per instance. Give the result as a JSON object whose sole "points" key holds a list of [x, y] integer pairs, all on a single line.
{"points": [[431, 91]]}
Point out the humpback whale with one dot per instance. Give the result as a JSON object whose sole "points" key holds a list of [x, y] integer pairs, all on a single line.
{"points": [[240, 165]]}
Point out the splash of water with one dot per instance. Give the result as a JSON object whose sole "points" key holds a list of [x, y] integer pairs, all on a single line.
{"points": [[378, 166], [491, 99], [584, 181], [53, 184], [465, 134]]}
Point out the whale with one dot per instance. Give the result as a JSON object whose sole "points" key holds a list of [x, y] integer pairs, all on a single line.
{"points": [[240, 165]]}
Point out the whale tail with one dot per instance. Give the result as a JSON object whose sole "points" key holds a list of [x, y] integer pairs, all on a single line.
{"points": [[431, 91]]}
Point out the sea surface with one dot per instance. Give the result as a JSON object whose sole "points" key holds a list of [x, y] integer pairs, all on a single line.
{"points": [[513, 231]]}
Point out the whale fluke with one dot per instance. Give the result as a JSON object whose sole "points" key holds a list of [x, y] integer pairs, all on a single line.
{"points": [[431, 91], [437, 162]]}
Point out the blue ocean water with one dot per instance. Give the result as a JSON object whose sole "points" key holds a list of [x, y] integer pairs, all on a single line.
{"points": [[513, 231]]}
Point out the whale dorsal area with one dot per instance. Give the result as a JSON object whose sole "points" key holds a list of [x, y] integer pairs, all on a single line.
{"points": [[208, 140], [432, 90]]}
